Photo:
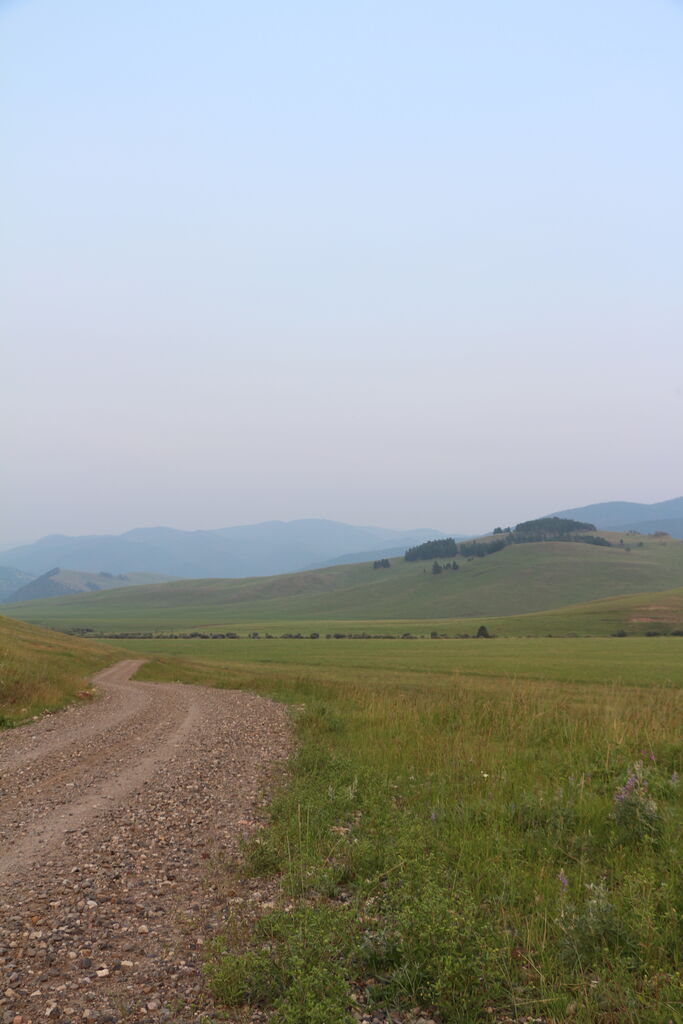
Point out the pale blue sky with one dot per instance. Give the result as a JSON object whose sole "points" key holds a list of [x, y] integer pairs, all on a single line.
{"points": [[411, 264]]}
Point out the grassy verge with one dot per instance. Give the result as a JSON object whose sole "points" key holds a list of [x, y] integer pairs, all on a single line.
{"points": [[42, 670], [478, 849]]}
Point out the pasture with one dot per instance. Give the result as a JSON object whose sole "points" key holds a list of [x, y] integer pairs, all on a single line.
{"points": [[485, 829], [609, 661]]}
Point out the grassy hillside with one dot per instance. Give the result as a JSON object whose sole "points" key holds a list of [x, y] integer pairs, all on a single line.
{"points": [[520, 579], [40, 669]]}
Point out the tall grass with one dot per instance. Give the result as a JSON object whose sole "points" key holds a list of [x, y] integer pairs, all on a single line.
{"points": [[477, 850], [41, 670]]}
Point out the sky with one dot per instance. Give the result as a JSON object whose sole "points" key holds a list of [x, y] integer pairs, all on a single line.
{"points": [[386, 262]]}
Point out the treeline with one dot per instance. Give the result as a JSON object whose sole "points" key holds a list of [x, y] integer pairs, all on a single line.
{"points": [[551, 528], [532, 531], [197, 635], [432, 549]]}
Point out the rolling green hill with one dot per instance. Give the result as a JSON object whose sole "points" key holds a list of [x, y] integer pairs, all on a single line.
{"points": [[517, 580]]}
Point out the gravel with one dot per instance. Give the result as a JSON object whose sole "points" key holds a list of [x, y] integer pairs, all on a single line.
{"points": [[115, 819]]}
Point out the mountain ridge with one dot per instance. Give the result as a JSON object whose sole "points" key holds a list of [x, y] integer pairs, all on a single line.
{"points": [[261, 549], [63, 582], [621, 516]]}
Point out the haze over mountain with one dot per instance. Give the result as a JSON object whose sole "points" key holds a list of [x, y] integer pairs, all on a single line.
{"points": [[257, 550], [631, 515], [11, 580], [62, 582]]}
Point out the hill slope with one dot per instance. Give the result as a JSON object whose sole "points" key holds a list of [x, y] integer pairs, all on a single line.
{"points": [[62, 582], [521, 578], [42, 669], [237, 551], [630, 515]]}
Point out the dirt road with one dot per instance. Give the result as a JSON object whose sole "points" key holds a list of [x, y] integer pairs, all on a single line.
{"points": [[111, 819]]}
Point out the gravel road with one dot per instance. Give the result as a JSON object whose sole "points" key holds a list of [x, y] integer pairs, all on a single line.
{"points": [[112, 819]]}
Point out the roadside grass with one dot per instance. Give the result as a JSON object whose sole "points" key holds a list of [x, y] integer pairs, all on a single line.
{"points": [[470, 845], [41, 670]]}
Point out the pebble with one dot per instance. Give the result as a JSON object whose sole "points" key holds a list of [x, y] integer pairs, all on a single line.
{"points": [[70, 915]]}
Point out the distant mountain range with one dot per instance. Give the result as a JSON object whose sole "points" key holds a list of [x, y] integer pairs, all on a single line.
{"points": [[264, 549], [621, 516], [63, 582]]}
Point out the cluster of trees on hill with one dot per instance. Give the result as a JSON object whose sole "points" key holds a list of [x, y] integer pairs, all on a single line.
{"points": [[552, 528], [381, 563], [533, 530], [437, 567], [445, 548]]}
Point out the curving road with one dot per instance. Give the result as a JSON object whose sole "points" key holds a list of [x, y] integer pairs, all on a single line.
{"points": [[112, 816]]}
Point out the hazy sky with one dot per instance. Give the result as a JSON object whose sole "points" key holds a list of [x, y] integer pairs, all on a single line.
{"points": [[401, 263]]}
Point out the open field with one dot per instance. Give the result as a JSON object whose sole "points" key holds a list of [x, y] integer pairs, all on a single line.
{"points": [[479, 828], [42, 670], [485, 829], [636, 615], [520, 579], [629, 662]]}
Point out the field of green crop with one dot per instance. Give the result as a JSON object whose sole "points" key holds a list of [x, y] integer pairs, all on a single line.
{"points": [[483, 829], [520, 579]]}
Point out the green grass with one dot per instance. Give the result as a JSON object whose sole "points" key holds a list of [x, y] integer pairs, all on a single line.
{"points": [[520, 579], [629, 662], [42, 670], [449, 837]]}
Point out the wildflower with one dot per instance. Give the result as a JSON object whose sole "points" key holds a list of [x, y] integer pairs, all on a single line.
{"points": [[635, 779], [564, 881], [485, 775]]}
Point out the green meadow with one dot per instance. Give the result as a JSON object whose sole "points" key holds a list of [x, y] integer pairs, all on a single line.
{"points": [[628, 662], [484, 829]]}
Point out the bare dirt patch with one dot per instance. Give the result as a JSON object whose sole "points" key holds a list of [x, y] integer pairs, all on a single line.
{"points": [[111, 816]]}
